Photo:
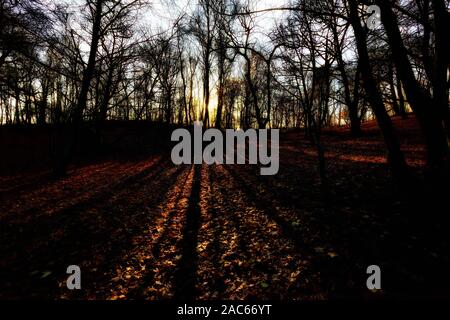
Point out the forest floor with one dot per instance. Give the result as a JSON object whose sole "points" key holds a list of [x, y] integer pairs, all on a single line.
{"points": [[147, 229]]}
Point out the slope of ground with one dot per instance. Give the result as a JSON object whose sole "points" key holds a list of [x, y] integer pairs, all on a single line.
{"points": [[146, 229]]}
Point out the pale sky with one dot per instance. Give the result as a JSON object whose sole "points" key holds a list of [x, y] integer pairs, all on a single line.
{"points": [[162, 13]]}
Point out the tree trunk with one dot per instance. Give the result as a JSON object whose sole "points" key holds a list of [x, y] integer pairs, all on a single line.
{"points": [[394, 100], [77, 113], [428, 110], [395, 156], [401, 99]]}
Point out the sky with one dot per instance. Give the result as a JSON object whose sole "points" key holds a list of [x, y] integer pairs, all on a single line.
{"points": [[160, 16], [164, 10]]}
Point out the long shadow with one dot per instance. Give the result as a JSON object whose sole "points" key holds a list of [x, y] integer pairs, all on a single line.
{"points": [[47, 224], [102, 194], [111, 257], [22, 183], [217, 250], [148, 277], [344, 276], [78, 242], [43, 183], [184, 282], [243, 231], [329, 269], [266, 206], [289, 176], [168, 222], [25, 184]]}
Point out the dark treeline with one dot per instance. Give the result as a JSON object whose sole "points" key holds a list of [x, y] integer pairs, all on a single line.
{"points": [[320, 66]]}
